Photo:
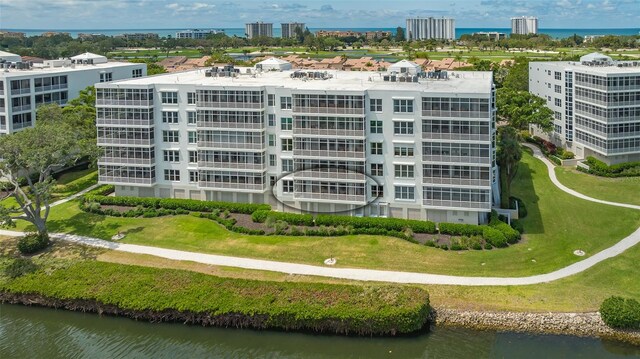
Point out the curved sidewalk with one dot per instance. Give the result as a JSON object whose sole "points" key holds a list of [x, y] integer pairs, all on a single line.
{"points": [[369, 274]]}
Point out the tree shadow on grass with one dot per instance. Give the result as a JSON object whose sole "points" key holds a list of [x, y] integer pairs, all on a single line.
{"points": [[524, 189], [85, 224]]}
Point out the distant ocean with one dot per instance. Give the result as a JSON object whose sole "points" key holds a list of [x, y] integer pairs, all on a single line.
{"points": [[555, 33]]}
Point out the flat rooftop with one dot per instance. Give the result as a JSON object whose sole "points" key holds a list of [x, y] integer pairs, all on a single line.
{"points": [[458, 81], [596, 69], [35, 71]]}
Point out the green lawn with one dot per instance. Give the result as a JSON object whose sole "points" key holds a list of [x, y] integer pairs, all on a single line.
{"points": [[557, 224], [624, 190]]}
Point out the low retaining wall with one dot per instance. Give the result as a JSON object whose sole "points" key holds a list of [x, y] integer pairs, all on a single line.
{"points": [[578, 324]]}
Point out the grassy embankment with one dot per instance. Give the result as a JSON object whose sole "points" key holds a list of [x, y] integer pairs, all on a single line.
{"points": [[623, 189]]}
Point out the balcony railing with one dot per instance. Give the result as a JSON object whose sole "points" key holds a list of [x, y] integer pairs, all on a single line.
{"points": [[125, 180], [21, 108], [232, 125], [328, 132], [126, 161], [329, 110], [457, 159], [456, 181], [335, 175], [455, 136], [329, 154], [125, 141], [457, 204], [21, 91], [208, 104], [230, 185], [333, 197], [123, 122], [50, 87], [231, 165], [231, 145], [113, 102], [462, 114]]}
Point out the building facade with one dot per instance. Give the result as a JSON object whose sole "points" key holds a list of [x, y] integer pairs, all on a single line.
{"points": [[23, 87], [136, 36], [430, 28], [404, 144], [491, 35], [256, 29], [524, 25], [289, 29], [596, 105], [195, 34]]}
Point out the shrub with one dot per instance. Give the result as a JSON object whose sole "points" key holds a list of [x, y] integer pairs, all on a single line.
{"points": [[176, 203], [460, 229], [494, 237], [599, 168], [77, 185], [103, 190], [568, 155], [260, 215], [618, 312], [393, 224], [522, 209], [32, 243], [512, 236], [19, 267]]}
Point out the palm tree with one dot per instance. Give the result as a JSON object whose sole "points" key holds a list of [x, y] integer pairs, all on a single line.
{"points": [[508, 156]]}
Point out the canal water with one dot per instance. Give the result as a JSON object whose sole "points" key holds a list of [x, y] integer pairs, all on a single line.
{"points": [[31, 332]]}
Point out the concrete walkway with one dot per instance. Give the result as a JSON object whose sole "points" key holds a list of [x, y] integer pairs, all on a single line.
{"points": [[369, 274]]}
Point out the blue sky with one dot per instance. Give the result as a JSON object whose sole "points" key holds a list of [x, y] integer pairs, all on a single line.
{"points": [[131, 14]]}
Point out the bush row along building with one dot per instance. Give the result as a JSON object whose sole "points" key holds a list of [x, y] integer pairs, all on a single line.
{"points": [[404, 143]]}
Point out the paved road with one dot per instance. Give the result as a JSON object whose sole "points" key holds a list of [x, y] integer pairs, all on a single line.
{"points": [[369, 274]]}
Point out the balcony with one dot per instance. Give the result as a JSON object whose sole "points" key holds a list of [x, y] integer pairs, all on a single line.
{"points": [[21, 108], [457, 114], [50, 87], [20, 91], [456, 204], [329, 110], [230, 125], [251, 105], [231, 185], [455, 136], [329, 154], [328, 132], [125, 180], [331, 197], [125, 161], [123, 122], [115, 102], [231, 165], [125, 141], [457, 181], [325, 174], [457, 159], [231, 145]]}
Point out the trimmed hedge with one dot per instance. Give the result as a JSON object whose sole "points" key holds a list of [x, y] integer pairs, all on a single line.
{"points": [[78, 184], [174, 204], [618, 312], [391, 224], [260, 216], [599, 168], [460, 229], [160, 294], [32, 243], [494, 237], [102, 190], [512, 236]]}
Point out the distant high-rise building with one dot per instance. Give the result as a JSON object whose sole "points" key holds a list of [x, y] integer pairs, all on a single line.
{"points": [[289, 29], [430, 28], [255, 29], [524, 25], [195, 34]]}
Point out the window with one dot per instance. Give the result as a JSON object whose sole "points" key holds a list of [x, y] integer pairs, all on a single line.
{"points": [[271, 99], [377, 191], [375, 126], [286, 123], [403, 150], [191, 98], [193, 137], [557, 75], [136, 73], [287, 144], [375, 105], [272, 140], [403, 106], [272, 119], [170, 136], [377, 169], [170, 97], [403, 128], [557, 115], [106, 77], [273, 180], [287, 186], [404, 192], [272, 160], [172, 175], [404, 171], [287, 165], [558, 89], [557, 129], [193, 156], [193, 176], [285, 103], [557, 102], [376, 148], [169, 117], [171, 156], [191, 118]]}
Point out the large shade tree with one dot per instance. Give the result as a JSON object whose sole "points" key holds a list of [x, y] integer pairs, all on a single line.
{"points": [[508, 156], [520, 109]]}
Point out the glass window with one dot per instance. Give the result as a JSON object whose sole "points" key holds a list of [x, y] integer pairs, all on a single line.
{"points": [[169, 97], [404, 192], [402, 106], [375, 105], [375, 126]]}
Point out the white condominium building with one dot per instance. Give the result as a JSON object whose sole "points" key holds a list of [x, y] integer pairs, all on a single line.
{"points": [[25, 86], [430, 28], [289, 29], [596, 105], [524, 25], [195, 34], [404, 144], [256, 29]]}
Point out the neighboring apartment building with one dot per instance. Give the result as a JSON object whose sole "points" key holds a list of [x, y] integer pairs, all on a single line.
{"points": [[524, 25], [23, 86], [136, 36], [596, 105], [491, 35], [424, 140], [256, 29], [430, 28], [195, 34], [289, 29]]}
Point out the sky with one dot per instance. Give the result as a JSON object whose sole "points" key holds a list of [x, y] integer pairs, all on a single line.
{"points": [[167, 14]]}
